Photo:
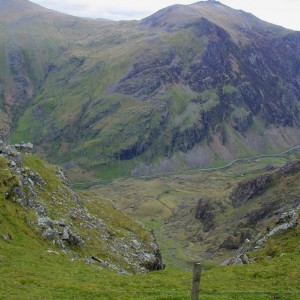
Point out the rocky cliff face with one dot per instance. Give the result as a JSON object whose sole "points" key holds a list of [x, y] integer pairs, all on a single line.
{"points": [[252, 188], [81, 226]]}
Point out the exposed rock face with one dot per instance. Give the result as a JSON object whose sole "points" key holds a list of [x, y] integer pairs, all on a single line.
{"points": [[205, 212], [153, 261], [291, 168], [286, 221], [230, 243], [186, 138], [223, 62], [24, 147], [146, 137], [266, 210], [147, 76], [242, 123], [249, 189]]}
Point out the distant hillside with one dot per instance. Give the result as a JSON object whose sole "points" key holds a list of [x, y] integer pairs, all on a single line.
{"points": [[189, 86], [42, 216], [214, 215]]}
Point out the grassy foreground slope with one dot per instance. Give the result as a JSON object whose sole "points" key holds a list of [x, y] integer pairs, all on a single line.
{"points": [[33, 267], [29, 272], [41, 216]]}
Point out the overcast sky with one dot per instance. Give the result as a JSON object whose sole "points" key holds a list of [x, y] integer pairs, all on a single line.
{"points": [[281, 12]]}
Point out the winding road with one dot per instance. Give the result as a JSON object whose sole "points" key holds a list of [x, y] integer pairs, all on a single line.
{"points": [[200, 170]]}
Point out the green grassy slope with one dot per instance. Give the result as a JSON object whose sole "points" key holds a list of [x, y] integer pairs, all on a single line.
{"points": [[32, 267], [29, 272], [90, 226]]}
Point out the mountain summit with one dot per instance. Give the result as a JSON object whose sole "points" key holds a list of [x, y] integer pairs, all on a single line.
{"points": [[186, 87], [19, 7]]}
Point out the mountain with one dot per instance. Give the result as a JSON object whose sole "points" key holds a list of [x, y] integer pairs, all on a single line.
{"points": [[189, 86], [41, 214]]}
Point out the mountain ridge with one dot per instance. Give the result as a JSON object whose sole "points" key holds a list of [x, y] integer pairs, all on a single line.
{"points": [[217, 13], [19, 6], [195, 91]]}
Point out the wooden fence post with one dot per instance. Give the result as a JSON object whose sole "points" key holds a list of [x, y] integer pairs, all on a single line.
{"points": [[196, 281]]}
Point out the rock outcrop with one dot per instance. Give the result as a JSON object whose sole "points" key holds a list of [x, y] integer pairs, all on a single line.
{"points": [[63, 217], [205, 212], [250, 189], [286, 221]]}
